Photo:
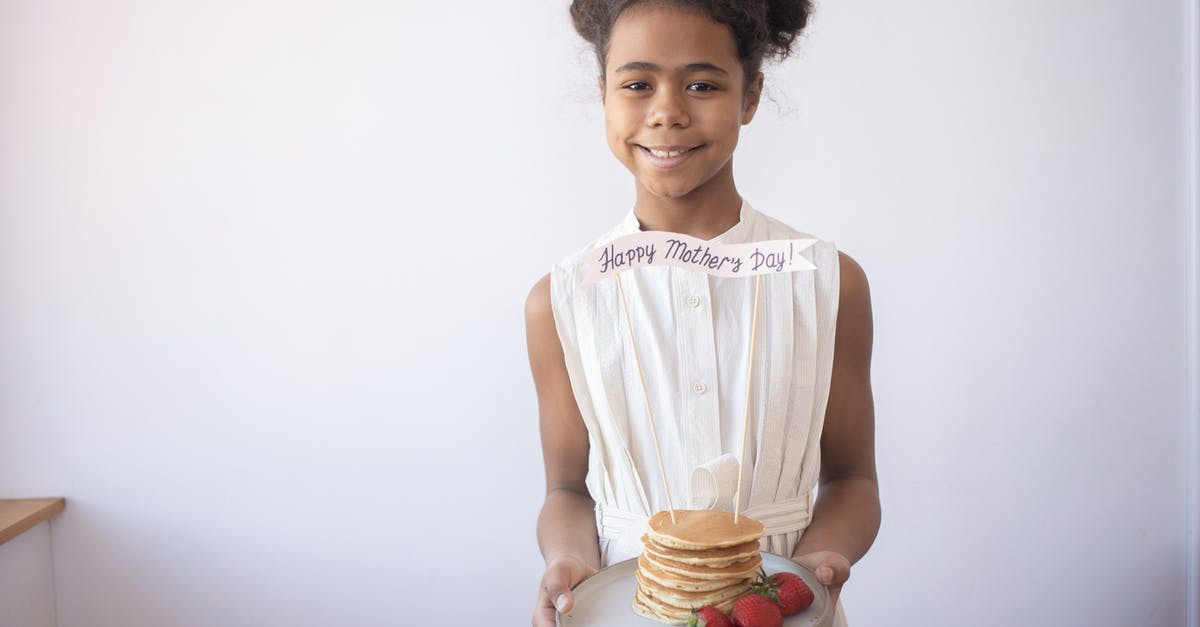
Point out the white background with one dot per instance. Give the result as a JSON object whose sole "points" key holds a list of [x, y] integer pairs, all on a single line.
{"points": [[263, 265]]}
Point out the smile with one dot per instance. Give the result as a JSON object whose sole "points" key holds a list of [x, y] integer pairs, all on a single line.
{"points": [[667, 155]]}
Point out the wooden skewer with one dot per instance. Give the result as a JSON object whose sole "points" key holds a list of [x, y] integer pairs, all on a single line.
{"points": [[646, 395], [737, 505]]}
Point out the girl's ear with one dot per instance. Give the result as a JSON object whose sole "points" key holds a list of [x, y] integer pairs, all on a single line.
{"points": [[600, 82], [752, 97]]}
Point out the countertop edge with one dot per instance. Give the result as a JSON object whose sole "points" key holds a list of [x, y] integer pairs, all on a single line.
{"points": [[20, 515]]}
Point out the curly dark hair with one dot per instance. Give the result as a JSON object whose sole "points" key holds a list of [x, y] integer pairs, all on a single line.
{"points": [[761, 28]]}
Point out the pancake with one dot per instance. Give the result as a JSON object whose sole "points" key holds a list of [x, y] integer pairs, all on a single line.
{"points": [[701, 559], [716, 558], [665, 612], [642, 609], [740, 569], [702, 529], [684, 598], [682, 582]]}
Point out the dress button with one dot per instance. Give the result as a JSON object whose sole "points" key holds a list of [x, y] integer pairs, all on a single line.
{"points": [[693, 301], [699, 388]]}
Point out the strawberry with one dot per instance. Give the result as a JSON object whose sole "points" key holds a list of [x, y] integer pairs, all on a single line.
{"points": [[793, 594], [756, 610], [708, 616]]}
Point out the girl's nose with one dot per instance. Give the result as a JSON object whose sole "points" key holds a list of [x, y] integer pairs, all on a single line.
{"points": [[668, 109]]}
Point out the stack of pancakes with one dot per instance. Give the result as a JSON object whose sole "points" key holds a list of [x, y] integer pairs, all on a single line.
{"points": [[701, 559]]}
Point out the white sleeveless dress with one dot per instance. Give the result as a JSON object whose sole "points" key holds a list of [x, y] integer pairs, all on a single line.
{"points": [[692, 332]]}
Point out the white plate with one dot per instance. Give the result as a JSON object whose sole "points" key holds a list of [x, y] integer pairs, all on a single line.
{"points": [[606, 598]]}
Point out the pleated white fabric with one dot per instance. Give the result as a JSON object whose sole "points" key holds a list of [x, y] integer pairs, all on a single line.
{"points": [[692, 332]]}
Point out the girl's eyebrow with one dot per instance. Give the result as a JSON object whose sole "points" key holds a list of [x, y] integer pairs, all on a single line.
{"points": [[698, 66]]}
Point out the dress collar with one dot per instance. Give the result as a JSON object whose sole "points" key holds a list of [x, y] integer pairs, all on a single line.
{"points": [[735, 234]]}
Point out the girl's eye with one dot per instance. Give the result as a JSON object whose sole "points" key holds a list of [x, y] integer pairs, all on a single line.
{"points": [[638, 86], [702, 87]]}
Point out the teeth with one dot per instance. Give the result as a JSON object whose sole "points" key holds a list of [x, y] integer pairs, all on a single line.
{"points": [[666, 154]]}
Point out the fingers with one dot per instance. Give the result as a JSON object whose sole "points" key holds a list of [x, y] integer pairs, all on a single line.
{"points": [[833, 570], [555, 592], [543, 617], [556, 585], [547, 605], [563, 602]]}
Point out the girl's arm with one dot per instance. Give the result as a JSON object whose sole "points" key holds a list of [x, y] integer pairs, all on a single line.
{"points": [[566, 528], [846, 515]]}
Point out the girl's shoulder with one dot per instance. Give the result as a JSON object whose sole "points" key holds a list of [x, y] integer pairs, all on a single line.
{"points": [[569, 271], [824, 253], [774, 228], [576, 257]]}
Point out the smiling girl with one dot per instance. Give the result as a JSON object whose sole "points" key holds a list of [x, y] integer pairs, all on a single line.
{"points": [[678, 80]]}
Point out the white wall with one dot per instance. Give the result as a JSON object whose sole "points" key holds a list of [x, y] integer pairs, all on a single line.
{"points": [[220, 338], [27, 579]]}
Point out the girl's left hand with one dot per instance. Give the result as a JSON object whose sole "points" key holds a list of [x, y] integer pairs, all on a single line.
{"points": [[832, 570]]}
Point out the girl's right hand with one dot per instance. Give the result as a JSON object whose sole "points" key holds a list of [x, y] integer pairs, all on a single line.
{"points": [[554, 593]]}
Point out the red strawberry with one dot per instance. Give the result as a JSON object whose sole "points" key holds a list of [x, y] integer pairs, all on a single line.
{"points": [[794, 595], [756, 610], [708, 616]]}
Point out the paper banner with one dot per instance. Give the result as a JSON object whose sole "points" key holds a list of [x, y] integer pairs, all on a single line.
{"points": [[662, 248]]}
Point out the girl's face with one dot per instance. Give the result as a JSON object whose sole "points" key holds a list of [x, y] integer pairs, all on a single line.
{"points": [[674, 98]]}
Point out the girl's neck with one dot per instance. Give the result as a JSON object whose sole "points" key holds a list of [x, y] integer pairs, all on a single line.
{"points": [[705, 213]]}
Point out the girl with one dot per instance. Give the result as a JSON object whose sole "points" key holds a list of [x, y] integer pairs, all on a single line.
{"points": [[678, 78]]}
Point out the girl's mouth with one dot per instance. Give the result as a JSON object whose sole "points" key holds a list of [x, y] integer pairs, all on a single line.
{"points": [[667, 156]]}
